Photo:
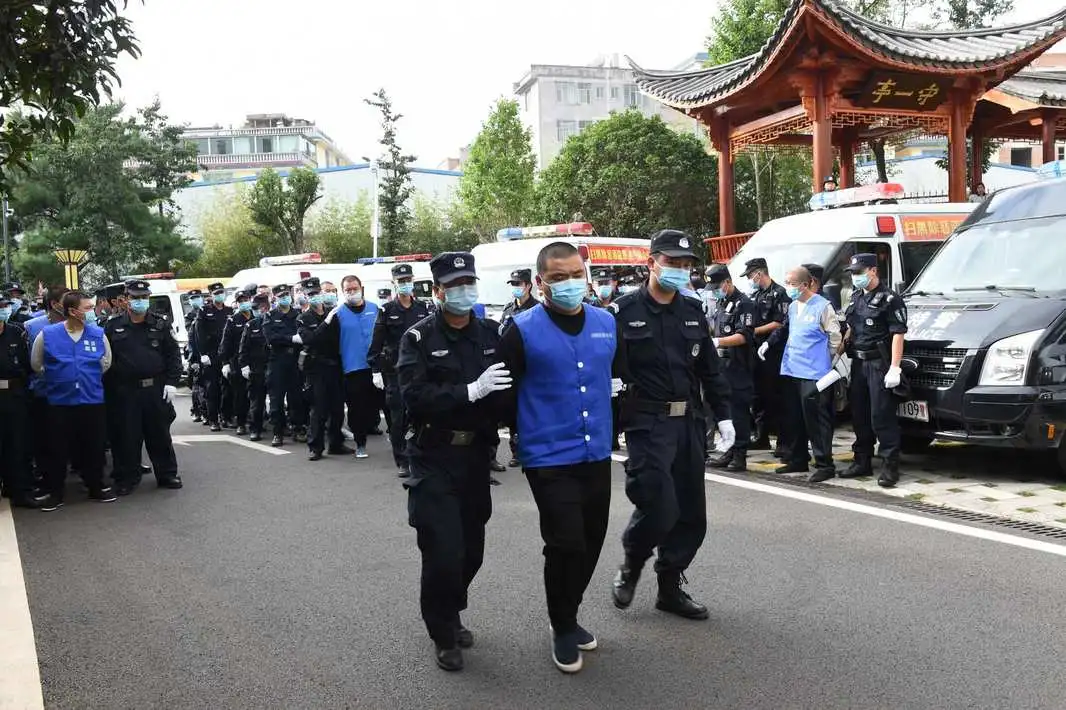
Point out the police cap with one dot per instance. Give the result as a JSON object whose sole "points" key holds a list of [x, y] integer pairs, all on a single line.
{"points": [[829, 178], [602, 274], [384, 293], [754, 265], [861, 262], [673, 243], [4, 298], [248, 290], [216, 287], [815, 270], [452, 265], [12, 287], [111, 291], [521, 276], [138, 287], [194, 293], [261, 299], [403, 271], [717, 273], [311, 285], [622, 272], [280, 290]]}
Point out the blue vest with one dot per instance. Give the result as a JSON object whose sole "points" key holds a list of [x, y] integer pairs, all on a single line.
{"points": [[564, 397], [73, 370], [479, 310], [33, 327], [357, 330], [807, 350]]}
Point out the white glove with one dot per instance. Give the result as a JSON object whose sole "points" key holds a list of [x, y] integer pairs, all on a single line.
{"points": [[205, 360], [297, 339], [246, 372], [892, 377], [616, 386], [379, 381], [715, 341], [168, 393], [763, 349], [727, 435], [329, 316], [226, 369], [493, 379]]}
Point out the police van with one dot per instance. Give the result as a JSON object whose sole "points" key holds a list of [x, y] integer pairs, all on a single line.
{"points": [[987, 328], [517, 248]]}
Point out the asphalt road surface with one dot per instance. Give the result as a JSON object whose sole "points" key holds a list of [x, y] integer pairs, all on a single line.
{"points": [[272, 582]]}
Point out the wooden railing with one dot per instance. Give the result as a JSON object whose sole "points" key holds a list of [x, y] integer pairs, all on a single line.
{"points": [[724, 248]]}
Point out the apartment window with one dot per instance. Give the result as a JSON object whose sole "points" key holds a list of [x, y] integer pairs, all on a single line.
{"points": [[243, 145], [203, 146], [288, 144], [1022, 156], [1060, 152], [632, 95], [599, 93], [565, 129], [582, 125], [565, 92], [614, 93], [222, 146], [584, 93], [265, 145]]}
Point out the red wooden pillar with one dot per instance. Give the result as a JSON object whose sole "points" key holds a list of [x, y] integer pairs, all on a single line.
{"points": [[957, 151], [1047, 136], [823, 134], [977, 148], [720, 138], [847, 160]]}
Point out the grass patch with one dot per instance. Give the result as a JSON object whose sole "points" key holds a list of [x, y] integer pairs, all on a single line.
{"points": [[989, 484], [1061, 504], [915, 496], [958, 476], [989, 500], [1026, 510], [1059, 487], [956, 490], [1060, 520], [1026, 494], [925, 481]]}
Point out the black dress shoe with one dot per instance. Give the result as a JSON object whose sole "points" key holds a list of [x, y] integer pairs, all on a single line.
{"points": [[449, 659], [278, 440], [103, 495], [721, 461], [255, 436], [760, 445], [738, 463], [314, 456], [197, 419], [29, 501], [792, 468], [861, 467], [493, 481], [625, 585], [403, 472], [215, 426], [496, 466], [124, 489], [242, 430], [822, 474], [171, 482], [514, 463], [145, 470], [464, 637]]}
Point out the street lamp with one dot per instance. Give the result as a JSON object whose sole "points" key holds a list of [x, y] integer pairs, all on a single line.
{"points": [[375, 226]]}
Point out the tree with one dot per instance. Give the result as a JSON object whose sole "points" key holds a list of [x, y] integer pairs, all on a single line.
{"points": [[340, 231], [972, 14], [232, 240], [630, 175], [57, 59], [396, 187], [165, 159], [432, 229], [496, 189], [281, 208], [742, 27]]}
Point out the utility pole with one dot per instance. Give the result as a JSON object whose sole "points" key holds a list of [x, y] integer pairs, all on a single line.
{"points": [[7, 244], [375, 226]]}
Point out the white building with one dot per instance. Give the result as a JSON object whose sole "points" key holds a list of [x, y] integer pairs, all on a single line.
{"points": [[560, 101]]}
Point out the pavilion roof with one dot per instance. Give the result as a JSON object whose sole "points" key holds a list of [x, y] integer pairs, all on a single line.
{"points": [[936, 52], [1043, 88]]}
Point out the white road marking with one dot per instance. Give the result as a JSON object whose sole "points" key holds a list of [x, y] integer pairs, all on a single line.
{"points": [[887, 513], [20, 680], [188, 439]]}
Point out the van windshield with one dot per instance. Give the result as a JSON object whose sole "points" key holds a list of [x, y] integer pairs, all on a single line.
{"points": [[783, 256], [1027, 255]]}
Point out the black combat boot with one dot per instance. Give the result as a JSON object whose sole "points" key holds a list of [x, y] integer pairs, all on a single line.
{"points": [[721, 461], [674, 600], [861, 466], [449, 659], [625, 583], [889, 474], [738, 463]]}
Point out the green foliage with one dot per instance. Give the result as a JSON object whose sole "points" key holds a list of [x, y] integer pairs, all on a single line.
{"points": [[741, 27], [80, 194], [340, 231], [972, 14], [281, 208], [496, 189], [232, 239], [630, 175], [433, 230], [770, 185], [395, 185]]}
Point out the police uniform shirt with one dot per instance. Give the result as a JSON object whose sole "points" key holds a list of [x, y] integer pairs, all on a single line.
{"points": [[14, 354], [278, 329], [393, 321], [140, 351], [735, 314], [209, 324], [252, 351], [668, 351], [231, 336], [514, 308], [771, 305], [874, 317]]}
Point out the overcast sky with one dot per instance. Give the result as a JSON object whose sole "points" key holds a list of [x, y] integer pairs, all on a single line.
{"points": [[444, 62]]}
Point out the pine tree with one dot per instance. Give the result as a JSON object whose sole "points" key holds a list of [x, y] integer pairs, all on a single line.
{"points": [[395, 186]]}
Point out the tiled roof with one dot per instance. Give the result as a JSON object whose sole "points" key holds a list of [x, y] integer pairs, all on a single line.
{"points": [[1046, 88], [930, 50]]}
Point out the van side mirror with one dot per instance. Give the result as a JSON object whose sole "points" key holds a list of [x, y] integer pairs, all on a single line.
{"points": [[831, 291]]}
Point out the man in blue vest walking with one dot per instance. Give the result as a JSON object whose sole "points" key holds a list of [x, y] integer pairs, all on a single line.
{"points": [[561, 354]]}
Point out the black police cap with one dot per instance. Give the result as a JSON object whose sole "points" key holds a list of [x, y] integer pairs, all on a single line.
{"points": [[138, 287], [215, 287], [829, 178], [11, 286], [861, 262], [403, 271], [248, 290], [717, 273], [194, 293], [673, 243], [602, 274], [261, 299], [384, 293], [312, 283], [521, 276], [815, 270], [280, 289], [754, 265], [452, 265]]}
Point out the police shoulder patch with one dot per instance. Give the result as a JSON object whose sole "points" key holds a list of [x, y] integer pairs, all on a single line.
{"points": [[748, 319]]}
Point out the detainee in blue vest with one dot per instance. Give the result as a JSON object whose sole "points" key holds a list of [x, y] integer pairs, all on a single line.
{"points": [[561, 355], [71, 358], [812, 334]]}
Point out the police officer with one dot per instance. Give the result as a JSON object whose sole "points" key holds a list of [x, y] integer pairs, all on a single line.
{"points": [[209, 325], [603, 284], [447, 380], [228, 355], [321, 375], [283, 376], [669, 356], [195, 299], [733, 326], [771, 305], [252, 356], [394, 318], [877, 321], [16, 295], [521, 283], [15, 478], [144, 374]]}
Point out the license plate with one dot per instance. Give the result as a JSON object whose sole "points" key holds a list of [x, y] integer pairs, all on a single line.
{"points": [[914, 410]]}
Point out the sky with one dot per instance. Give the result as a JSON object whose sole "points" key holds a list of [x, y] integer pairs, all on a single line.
{"points": [[443, 62]]}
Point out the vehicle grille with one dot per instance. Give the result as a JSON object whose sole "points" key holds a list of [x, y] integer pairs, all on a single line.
{"points": [[937, 367]]}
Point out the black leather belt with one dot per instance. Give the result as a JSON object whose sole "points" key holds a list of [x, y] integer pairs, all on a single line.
{"points": [[13, 384], [670, 409], [431, 436], [868, 355], [149, 382]]}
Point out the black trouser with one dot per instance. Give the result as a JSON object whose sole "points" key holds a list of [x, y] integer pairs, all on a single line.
{"points": [[766, 403], [256, 401], [199, 407], [448, 504], [873, 410], [212, 380], [238, 387], [741, 394], [14, 463], [327, 412], [362, 398], [77, 434], [38, 433], [143, 420], [574, 504], [664, 480], [226, 397], [285, 386], [808, 419], [397, 419]]}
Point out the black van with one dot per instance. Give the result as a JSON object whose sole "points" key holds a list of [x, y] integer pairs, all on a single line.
{"points": [[987, 328]]}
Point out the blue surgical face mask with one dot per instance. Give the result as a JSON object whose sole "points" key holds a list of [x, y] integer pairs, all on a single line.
{"points": [[673, 279], [567, 294], [405, 289], [860, 280], [459, 300], [196, 302], [301, 300], [330, 299], [627, 289], [317, 300], [518, 292], [139, 305], [244, 306], [793, 292], [284, 301], [16, 303], [218, 297], [718, 293], [90, 317], [605, 292], [5, 313]]}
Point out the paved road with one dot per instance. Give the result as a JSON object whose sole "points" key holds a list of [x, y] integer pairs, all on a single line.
{"points": [[273, 582]]}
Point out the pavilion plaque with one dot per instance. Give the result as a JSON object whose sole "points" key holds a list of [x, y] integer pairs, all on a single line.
{"points": [[910, 92]]}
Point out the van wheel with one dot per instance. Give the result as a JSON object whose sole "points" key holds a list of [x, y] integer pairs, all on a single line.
{"points": [[914, 443]]}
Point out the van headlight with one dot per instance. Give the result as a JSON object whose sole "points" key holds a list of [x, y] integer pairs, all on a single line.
{"points": [[1007, 360]]}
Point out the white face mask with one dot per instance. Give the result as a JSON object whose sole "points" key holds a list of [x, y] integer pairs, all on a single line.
{"points": [[354, 297]]}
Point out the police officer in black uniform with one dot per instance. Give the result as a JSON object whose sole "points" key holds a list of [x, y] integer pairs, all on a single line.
{"points": [[209, 325], [669, 358], [252, 355], [877, 321], [448, 382], [521, 283], [144, 375], [283, 376], [228, 355], [394, 318], [733, 326], [322, 373], [15, 478], [20, 307], [771, 307], [195, 298]]}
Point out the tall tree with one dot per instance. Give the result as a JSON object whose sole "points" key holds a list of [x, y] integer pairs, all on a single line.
{"points": [[340, 231], [231, 239], [973, 14], [742, 27], [166, 159], [395, 165], [57, 59], [281, 208], [630, 175], [496, 189]]}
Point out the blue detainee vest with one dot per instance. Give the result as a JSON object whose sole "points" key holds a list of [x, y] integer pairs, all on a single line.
{"points": [[357, 331], [33, 327], [806, 353], [564, 397], [73, 370]]}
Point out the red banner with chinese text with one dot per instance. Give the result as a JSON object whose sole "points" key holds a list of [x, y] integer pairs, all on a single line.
{"points": [[929, 227], [611, 255]]}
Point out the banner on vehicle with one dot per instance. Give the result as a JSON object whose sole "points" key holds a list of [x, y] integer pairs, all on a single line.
{"points": [[929, 227], [609, 255]]}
